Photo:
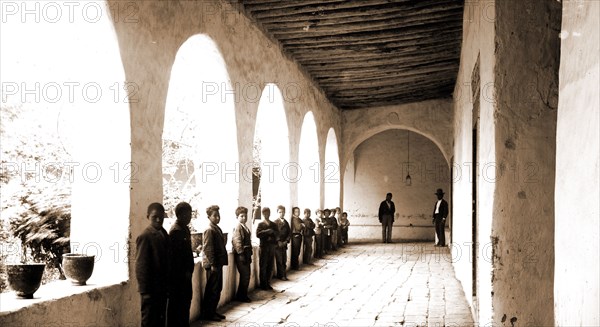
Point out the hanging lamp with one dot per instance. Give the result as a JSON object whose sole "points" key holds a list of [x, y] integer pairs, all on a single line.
{"points": [[408, 180]]}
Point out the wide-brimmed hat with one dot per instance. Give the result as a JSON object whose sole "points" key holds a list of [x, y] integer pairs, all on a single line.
{"points": [[439, 191]]}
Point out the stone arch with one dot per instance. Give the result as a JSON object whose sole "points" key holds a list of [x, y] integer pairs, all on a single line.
{"points": [[331, 171], [200, 150], [379, 129], [272, 156], [308, 183], [72, 74], [379, 165]]}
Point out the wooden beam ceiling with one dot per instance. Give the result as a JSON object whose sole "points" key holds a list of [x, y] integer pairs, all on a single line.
{"points": [[366, 53]]}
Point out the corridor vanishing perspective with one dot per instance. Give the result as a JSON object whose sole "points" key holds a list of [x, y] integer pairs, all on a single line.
{"points": [[364, 284], [309, 104]]}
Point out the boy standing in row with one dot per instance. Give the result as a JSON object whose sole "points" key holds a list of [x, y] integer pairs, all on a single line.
{"points": [[215, 254], [283, 238], [266, 231], [152, 267]]}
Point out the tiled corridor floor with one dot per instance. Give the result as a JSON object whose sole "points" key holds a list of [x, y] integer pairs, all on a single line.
{"points": [[398, 284]]}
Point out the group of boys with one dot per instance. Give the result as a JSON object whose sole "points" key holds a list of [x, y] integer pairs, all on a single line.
{"points": [[164, 266], [165, 263], [325, 231]]}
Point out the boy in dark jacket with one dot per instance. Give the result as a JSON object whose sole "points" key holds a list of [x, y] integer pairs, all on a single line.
{"points": [[242, 251], [215, 254], [309, 232], [152, 267], [182, 268], [283, 238], [266, 231]]}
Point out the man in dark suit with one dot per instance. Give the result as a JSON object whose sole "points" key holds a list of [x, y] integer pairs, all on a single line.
{"points": [[387, 209], [152, 267], [440, 213], [182, 268]]}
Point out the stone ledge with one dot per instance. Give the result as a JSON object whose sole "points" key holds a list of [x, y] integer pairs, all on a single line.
{"points": [[51, 292]]}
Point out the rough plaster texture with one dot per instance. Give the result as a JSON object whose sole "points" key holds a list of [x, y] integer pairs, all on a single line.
{"points": [[379, 165], [576, 297], [526, 83], [100, 306], [478, 42]]}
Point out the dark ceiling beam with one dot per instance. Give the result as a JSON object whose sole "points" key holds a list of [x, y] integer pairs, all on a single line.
{"points": [[384, 94], [334, 59], [254, 5], [317, 9], [402, 83], [391, 82], [375, 13], [359, 72], [396, 21], [383, 35], [401, 25], [450, 34], [355, 105]]}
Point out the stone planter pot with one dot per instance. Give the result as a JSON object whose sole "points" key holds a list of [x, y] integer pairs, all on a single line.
{"points": [[196, 242], [25, 279], [78, 267]]}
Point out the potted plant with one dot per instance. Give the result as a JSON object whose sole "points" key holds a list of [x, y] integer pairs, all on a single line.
{"points": [[44, 237]]}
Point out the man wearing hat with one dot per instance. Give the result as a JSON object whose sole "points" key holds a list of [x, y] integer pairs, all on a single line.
{"points": [[440, 213]]}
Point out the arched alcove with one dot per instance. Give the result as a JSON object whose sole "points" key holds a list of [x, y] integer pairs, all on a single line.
{"points": [[380, 165], [331, 172], [308, 182], [200, 150], [68, 78], [271, 139]]}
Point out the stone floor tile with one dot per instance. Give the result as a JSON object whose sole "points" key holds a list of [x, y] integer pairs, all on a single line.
{"points": [[399, 284]]}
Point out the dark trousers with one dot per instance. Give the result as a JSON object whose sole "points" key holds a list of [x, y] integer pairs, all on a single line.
{"points": [[326, 240], [154, 309], [308, 249], [212, 292], [319, 245], [296, 246], [345, 235], [334, 238], [243, 267], [265, 261], [386, 228], [440, 232], [178, 311], [281, 261]]}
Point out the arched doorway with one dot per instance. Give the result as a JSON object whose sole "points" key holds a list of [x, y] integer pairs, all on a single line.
{"points": [[308, 182], [271, 150], [331, 172], [380, 165], [200, 150], [66, 86]]}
